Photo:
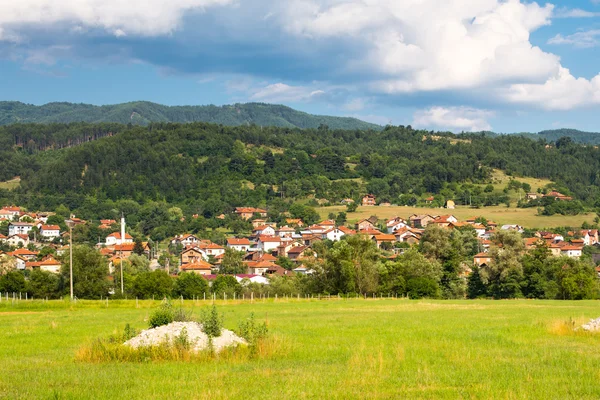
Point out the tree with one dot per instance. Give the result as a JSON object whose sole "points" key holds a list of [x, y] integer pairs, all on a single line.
{"points": [[138, 247], [7, 264], [90, 273], [12, 282], [226, 284], [577, 280], [476, 288], [504, 275], [233, 262], [136, 264], [43, 284], [156, 284], [351, 207], [190, 285]]}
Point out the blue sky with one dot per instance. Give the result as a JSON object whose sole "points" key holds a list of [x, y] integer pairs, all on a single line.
{"points": [[504, 65]]}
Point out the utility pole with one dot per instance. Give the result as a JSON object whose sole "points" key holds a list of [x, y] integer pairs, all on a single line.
{"points": [[70, 224]]}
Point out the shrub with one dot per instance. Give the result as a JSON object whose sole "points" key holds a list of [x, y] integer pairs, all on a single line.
{"points": [[252, 331], [418, 288], [164, 315], [212, 322]]}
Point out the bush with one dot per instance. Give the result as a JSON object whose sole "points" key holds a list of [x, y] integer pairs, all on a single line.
{"points": [[212, 322], [163, 316], [418, 288], [252, 331]]}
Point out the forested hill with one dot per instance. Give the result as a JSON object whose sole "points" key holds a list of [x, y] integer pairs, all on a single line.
{"points": [[550, 136], [577, 136], [209, 169], [143, 113]]}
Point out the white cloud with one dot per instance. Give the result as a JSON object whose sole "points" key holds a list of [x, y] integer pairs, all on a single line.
{"points": [[430, 45], [280, 93], [583, 39], [454, 119], [139, 17], [562, 92], [575, 13], [378, 47], [354, 105]]}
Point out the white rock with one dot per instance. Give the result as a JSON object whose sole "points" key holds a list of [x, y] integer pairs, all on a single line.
{"points": [[592, 326], [198, 339]]}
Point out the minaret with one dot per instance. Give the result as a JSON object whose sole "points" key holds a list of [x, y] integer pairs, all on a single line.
{"points": [[122, 228]]}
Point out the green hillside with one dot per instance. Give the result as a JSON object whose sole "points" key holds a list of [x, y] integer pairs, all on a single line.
{"points": [[143, 113], [577, 136]]}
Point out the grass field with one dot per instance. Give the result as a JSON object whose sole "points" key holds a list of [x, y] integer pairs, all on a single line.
{"points": [[329, 349], [11, 184], [500, 214]]}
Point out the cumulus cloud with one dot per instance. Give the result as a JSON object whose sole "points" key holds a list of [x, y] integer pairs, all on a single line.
{"points": [[562, 92], [117, 17], [385, 48], [583, 39], [454, 119]]}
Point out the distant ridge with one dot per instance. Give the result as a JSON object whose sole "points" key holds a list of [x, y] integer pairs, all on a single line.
{"points": [[143, 113], [591, 138]]}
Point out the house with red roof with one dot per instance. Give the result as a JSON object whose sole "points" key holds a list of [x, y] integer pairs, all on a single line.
{"points": [[49, 264], [18, 239], [369, 200], [238, 244], [50, 232], [199, 267], [248, 212], [115, 238]]}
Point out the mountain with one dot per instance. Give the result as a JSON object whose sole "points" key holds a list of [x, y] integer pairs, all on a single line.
{"points": [[143, 113], [590, 138], [577, 136]]}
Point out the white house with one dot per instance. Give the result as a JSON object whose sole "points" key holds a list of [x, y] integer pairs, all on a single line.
{"points": [[286, 231], [268, 243], [50, 231], [19, 228], [115, 238], [15, 240], [213, 249], [119, 237], [480, 229], [252, 278], [571, 251], [185, 240], [335, 235], [238, 244], [517, 228], [395, 224], [264, 230]]}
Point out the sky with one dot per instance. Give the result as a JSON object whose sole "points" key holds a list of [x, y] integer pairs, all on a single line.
{"points": [[458, 65]]}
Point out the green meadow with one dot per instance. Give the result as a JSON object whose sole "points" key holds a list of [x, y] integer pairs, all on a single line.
{"points": [[320, 349]]}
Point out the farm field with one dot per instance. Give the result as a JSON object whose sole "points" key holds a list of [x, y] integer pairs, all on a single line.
{"points": [[500, 214], [327, 349]]}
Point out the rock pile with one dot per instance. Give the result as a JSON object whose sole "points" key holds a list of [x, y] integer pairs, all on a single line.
{"points": [[592, 326], [198, 339]]}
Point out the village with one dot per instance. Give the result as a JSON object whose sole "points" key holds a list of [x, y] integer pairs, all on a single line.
{"points": [[32, 243]]}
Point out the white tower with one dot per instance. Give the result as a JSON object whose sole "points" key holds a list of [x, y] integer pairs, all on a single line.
{"points": [[122, 229]]}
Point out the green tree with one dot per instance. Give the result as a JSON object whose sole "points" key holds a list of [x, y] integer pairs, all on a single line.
{"points": [[138, 247], [90, 273], [157, 284], [43, 284], [190, 285], [226, 284], [233, 262], [504, 275], [12, 282]]}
